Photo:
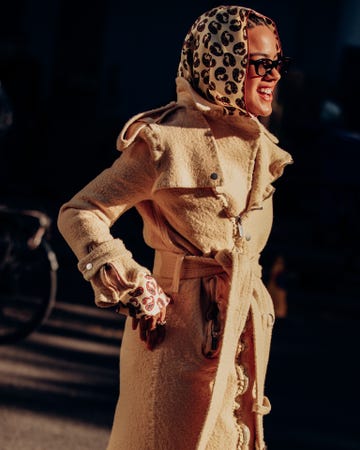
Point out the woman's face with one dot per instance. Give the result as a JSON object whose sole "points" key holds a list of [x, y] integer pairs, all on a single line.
{"points": [[259, 89]]}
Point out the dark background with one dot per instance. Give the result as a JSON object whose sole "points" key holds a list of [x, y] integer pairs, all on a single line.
{"points": [[75, 71]]}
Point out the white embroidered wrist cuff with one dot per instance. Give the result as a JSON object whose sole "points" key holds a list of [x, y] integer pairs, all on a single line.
{"points": [[148, 298]]}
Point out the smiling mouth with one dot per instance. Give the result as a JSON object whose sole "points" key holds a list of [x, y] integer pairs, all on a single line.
{"points": [[266, 93]]}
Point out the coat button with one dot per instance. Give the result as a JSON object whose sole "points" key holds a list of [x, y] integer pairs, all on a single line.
{"points": [[270, 320], [214, 176], [248, 237], [89, 266]]}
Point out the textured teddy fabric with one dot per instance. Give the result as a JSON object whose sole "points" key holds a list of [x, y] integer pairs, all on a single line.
{"points": [[201, 179], [191, 173]]}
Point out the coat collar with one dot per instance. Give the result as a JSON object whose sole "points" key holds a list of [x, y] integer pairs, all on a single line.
{"points": [[183, 146]]}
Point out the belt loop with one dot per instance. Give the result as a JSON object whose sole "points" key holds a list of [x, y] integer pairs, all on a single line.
{"points": [[177, 273]]}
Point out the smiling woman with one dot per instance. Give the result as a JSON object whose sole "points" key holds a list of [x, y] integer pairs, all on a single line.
{"points": [[263, 49], [199, 171]]}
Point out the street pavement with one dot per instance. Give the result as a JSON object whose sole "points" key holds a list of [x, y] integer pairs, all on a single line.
{"points": [[58, 387]]}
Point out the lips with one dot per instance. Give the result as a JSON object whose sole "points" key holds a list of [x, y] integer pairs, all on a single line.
{"points": [[265, 93]]}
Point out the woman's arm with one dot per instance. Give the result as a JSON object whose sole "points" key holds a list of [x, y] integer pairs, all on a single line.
{"points": [[85, 222]]}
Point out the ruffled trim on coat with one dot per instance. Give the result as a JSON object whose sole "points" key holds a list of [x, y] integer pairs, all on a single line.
{"points": [[270, 162]]}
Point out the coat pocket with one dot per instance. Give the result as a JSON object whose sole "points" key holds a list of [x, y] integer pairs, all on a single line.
{"points": [[212, 332], [212, 302]]}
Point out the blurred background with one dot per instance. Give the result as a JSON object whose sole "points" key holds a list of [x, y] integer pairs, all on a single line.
{"points": [[72, 73]]}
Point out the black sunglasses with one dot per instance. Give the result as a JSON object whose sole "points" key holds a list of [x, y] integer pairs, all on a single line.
{"points": [[265, 66]]}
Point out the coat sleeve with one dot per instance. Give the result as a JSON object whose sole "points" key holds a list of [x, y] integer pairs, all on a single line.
{"points": [[85, 222]]}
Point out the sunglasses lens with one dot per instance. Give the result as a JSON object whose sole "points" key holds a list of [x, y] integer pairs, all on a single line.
{"points": [[265, 66]]}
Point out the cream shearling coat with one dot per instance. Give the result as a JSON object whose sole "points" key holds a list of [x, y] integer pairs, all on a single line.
{"points": [[202, 184]]}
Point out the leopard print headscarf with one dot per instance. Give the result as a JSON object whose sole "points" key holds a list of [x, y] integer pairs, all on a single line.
{"points": [[214, 56]]}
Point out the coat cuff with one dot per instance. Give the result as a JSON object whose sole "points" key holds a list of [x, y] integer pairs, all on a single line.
{"points": [[105, 253]]}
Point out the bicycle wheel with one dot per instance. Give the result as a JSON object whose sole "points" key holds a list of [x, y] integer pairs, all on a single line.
{"points": [[28, 285]]}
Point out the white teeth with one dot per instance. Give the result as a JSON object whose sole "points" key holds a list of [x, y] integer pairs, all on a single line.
{"points": [[265, 90]]}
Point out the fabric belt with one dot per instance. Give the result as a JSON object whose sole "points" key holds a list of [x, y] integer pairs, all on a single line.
{"points": [[178, 266]]}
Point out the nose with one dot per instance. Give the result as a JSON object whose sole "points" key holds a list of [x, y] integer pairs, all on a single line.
{"points": [[273, 75]]}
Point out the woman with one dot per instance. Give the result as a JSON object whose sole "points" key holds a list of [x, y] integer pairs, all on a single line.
{"points": [[199, 172]]}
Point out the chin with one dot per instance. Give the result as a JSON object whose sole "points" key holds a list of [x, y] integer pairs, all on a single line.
{"points": [[265, 114], [260, 112]]}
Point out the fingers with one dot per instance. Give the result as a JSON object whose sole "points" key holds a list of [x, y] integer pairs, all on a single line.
{"points": [[155, 337], [143, 328], [146, 325], [162, 316], [135, 323], [160, 333], [152, 329]]}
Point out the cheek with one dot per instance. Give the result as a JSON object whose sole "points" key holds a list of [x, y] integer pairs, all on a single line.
{"points": [[250, 89]]}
